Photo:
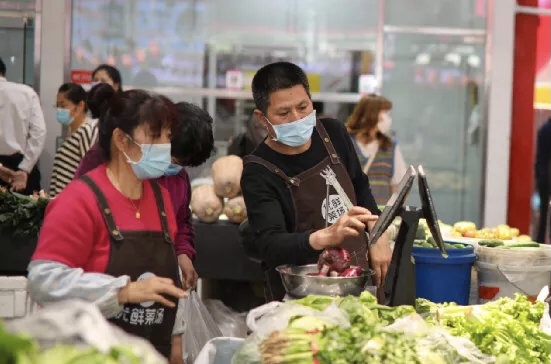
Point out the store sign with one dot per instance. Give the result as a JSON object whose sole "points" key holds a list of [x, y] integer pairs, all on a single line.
{"points": [[81, 76], [234, 79]]}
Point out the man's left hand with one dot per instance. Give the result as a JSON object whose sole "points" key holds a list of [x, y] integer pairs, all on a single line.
{"points": [[189, 275], [19, 180], [380, 256]]}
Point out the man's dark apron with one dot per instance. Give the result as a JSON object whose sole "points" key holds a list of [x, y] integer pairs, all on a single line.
{"points": [[142, 254], [308, 192]]}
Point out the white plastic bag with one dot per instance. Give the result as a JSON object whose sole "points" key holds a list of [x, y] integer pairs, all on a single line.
{"points": [[80, 323], [200, 327], [230, 323], [434, 343]]}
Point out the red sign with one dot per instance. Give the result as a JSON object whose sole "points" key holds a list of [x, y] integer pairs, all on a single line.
{"points": [[81, 76]]}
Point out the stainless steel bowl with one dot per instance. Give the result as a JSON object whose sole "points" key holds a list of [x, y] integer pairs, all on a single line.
{"points": [[299, 284]]}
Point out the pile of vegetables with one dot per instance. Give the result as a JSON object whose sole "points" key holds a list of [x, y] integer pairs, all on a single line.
{"points": [[496, 243], [21, 349], [424, 239], [504, 331], [223, 195], [335, 262], [507, 328], [21, 216]]}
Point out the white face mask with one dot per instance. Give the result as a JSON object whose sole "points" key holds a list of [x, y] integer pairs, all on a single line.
{"points": [[385, 123]]}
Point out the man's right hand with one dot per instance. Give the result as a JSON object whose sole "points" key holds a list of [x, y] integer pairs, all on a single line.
{"points": [[353, 223], [151, 289], [6, 174], [19, 180]]}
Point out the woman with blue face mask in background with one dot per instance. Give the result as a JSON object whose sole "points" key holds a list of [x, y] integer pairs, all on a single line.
{"points": [[108, 236], [71, 111]]}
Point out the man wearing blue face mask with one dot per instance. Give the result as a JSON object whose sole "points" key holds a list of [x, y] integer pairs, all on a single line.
{"points": [[284, 191]]}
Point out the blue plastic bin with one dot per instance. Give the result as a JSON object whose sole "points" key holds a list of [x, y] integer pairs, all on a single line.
{"points": [[440, 279]]}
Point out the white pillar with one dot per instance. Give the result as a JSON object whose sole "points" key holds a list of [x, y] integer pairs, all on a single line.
{"points": [[500, 71], [53, 45]]}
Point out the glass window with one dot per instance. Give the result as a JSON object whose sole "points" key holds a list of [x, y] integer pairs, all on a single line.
{"points": [[206, 51], [17, 34], [435, 78], [468, 14], [190, 50]]}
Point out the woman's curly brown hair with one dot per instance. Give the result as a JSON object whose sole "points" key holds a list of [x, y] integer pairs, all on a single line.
{"points": [[365, 117]]}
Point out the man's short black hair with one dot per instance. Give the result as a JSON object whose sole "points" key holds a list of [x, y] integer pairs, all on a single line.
{"points": [[2, 67], [274, 77]]}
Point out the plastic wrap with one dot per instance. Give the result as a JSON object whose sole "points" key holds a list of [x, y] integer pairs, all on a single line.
{"points": [[79, 323], [230, 323]]}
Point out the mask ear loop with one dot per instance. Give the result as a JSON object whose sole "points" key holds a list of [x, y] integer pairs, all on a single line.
{"points": [[128, 159], [274, 138]]}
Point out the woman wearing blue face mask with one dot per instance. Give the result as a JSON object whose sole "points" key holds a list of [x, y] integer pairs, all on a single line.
{"points": [[71, 112], [192, 144], [108, 237]]}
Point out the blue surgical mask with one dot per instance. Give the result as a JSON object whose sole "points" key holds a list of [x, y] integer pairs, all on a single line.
{"points": [[63, 116], [154, 162], [173, 170], [295, 133]]}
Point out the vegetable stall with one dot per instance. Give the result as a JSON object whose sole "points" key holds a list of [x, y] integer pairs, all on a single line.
{"points": [[322, 329]]}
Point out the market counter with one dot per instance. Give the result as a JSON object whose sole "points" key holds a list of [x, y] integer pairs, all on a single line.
{"points": [[15, 254], [220, 254]]}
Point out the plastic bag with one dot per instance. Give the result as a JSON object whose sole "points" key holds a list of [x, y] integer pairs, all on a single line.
{"points": [[275, 316], [81, 324], [200, 327], [435, 345], [545, 297], [230, 323]]}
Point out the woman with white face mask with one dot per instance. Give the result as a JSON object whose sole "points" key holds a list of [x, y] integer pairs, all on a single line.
{"points": [[71, 111], [380, 157]]}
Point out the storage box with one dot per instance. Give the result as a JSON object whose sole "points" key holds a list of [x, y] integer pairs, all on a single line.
{"points": [[14, 300]]}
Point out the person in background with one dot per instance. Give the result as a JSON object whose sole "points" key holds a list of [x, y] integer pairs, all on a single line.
{"points": [[380, 157], [22, 135], [97, 96], [192, 144], [244, 143], [542, 170], [105, 73], [284, 191], [71, 111], [108, 236]]}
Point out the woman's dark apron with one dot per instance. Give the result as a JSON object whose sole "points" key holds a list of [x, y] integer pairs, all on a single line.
{"points": [[142, 254], [308, 192]]}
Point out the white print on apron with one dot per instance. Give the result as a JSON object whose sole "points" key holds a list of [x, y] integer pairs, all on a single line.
{"points": [[336, 208]]}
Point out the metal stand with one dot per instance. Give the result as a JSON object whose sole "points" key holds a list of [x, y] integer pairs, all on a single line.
{"points": [[399, 287]]}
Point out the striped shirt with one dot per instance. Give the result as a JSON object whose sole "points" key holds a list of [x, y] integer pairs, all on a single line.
{"points": [[69, 155]]}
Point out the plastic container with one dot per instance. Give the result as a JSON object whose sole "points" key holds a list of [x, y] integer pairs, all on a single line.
{"points": [[440, 279], [14, 300], [504, 272], [219, 350]]}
